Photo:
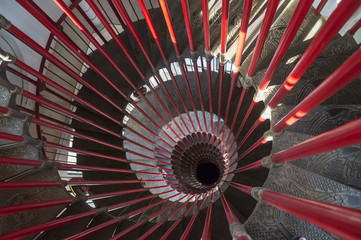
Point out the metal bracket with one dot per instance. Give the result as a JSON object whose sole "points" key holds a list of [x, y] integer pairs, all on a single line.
{"points": [[222, 59], [194, 56], [259, 96], [237, 231], [248, 82], [269, 135], [209, 56], [266, 113], [267, 162], [257, 193]]}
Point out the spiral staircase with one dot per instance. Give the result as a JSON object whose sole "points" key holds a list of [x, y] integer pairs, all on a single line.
{"points": [[176, 137]]}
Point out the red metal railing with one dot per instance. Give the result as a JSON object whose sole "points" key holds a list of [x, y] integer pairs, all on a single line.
{"points": [[341, 221]]}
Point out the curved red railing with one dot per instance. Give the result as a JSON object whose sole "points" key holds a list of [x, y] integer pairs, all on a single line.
{"points": [[338, 220]]}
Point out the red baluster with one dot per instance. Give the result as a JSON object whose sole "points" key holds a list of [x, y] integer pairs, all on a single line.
{"points": [[32, 206], [338, 18], [344, 136], [207, 229], [62, 89], [355, 27], [236, 229], [346, 73], [11, 137], [29, 184], [48, 225], [237, 60], [270, 13], [320, 7], [91, 231], [19, 161], [338, 220], [291, 30], [87, 19], [342, 221]]}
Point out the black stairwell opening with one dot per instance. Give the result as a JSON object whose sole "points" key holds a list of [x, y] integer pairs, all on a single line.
{"points": [[207, 172]]}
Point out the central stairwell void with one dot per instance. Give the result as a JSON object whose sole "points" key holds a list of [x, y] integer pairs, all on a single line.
{"points": [[182, 120]]}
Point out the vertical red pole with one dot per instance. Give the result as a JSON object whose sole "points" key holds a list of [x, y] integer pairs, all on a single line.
{"points": [[189, 227], [237, 61], [338, 18], [90, 231], [291, 30], [346, 73], [224, 25], [355, 27], [267, 22], [87, 19], [320, 7], [248, 114], [236, 229], [185, 9], [70, 132], [205, 18], [209, 78], [207, 229], [46, 226], [111, 4], [206, 25], [66, 111], [238, 109], [106, 13], [259, 121], [224, 31], [254, 146], [70, 45], [342, 221], [43, 116], [11, 137], [157, 226], [43, 78], [19, 161], [123, 12], [110, 30], [101, 17], [344, 136], [168, 233]]}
